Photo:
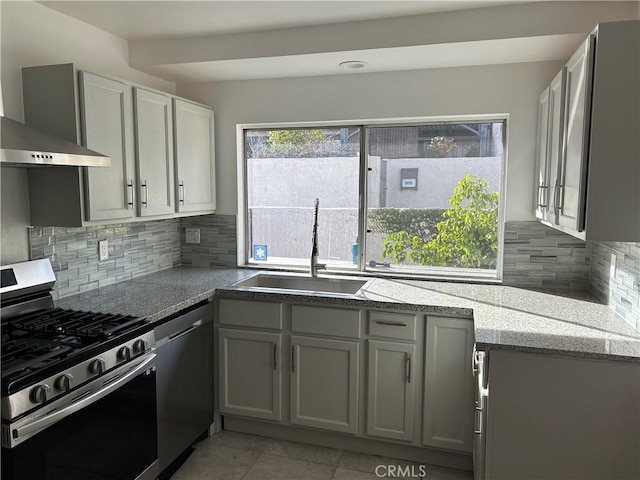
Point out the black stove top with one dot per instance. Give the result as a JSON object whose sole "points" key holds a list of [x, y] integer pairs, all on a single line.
{"points": [[39, 343]]}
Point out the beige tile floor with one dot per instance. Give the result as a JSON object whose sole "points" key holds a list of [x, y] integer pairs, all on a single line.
{"points": [[236, 456]]}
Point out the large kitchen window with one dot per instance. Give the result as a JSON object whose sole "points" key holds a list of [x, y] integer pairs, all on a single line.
{"points": [[418, 199]]}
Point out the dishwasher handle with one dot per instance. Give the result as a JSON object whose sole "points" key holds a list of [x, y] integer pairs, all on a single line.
{"points": [[183, 324]]}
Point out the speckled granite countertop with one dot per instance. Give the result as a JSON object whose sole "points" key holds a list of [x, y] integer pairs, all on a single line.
{"points": [[504, 317]]}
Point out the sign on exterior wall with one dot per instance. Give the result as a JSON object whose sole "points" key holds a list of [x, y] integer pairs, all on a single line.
{"points": [[408, 179]]}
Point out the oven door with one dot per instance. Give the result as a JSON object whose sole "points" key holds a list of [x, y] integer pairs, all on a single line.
{"points": [[103, 430]]}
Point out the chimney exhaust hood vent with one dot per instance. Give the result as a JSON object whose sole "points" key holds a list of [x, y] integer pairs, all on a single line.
{"points": [[24, 146]]}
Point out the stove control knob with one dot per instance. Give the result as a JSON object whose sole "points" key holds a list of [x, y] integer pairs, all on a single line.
{"points": [[39, 393], [63, 382], [96, 366], [124, 354], [140, 346]]}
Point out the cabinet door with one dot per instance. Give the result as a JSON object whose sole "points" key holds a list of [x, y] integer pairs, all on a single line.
{"points": [[576, 121], [541, 194], [390, 390], [555, 145], [194, 150], [107, 127], [324, 384], [449, 401], [250, 373], [154, 153]]}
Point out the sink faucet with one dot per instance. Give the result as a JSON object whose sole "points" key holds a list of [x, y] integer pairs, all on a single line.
{"points": [[315, 266]]}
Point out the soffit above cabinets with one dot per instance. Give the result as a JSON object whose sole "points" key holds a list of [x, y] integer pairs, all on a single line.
{"points": [[200, 41]]}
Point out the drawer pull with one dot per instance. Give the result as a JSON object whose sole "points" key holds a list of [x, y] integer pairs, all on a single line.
{"points": [[391, 324], [275, 356]]}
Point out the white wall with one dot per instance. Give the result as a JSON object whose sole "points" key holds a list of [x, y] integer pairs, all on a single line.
{"points": [[32, 34], [496, 89]]}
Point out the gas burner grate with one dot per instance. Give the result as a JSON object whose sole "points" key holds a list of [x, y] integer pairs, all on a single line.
{"points": [[88, 326]]}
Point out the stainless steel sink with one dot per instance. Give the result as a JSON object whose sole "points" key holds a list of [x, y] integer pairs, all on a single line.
{"points": [[300, 283]]}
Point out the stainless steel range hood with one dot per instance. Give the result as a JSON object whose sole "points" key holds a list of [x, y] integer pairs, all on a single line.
{"points": [[25, 146]]}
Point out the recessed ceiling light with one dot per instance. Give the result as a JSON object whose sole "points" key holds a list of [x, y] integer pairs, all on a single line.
{"points": [[353, 64]]}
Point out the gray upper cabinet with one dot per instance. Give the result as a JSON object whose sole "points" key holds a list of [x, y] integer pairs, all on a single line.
{"points": [[448, 392], [597, 192], [573, 165], [550, 145], [106, 128], [154, 153], [148, 142], [324, 383], [97, 112], [194, 158], [542, 151]]}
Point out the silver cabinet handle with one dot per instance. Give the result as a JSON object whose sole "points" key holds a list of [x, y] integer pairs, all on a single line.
{"points": [[474, 361], [542, 191], [293, 359], [408, 367], [391, 324], [556, 200], [275, 356], [129, 194], [181, 192], [477, 428], [146, 193]]}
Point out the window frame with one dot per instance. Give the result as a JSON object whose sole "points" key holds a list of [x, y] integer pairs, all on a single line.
{"points": [[425, 273]]}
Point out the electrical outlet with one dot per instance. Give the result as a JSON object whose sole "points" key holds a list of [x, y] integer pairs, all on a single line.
{"points": [[612, 270], [192, 235], [103, 250]]}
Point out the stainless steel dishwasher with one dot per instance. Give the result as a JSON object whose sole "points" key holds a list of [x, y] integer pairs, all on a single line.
{"points": [[184, 380]]}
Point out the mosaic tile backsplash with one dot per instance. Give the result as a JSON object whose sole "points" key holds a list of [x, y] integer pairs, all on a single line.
{"points": [[217, 247], [540, 257], [621, 291], [135, 249], [535, 256]]}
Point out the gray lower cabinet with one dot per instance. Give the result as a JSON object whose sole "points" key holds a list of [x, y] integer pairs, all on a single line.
{"points": [[562, 417], [390, 390], [324, 383], [250, 379], [448, 393]]}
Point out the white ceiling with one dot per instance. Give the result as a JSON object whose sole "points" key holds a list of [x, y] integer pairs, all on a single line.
{"points": [[163, 27], [143, 20]]}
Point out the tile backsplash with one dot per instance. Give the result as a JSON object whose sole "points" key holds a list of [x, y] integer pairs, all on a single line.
{"points": [[621, 291], [217, 247], [535, 256], [540, 257], [135, 249]]}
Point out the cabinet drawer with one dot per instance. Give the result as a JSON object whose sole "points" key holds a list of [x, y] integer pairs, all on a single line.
{"points": [[250, 313], [400, 326], [338, 322]]}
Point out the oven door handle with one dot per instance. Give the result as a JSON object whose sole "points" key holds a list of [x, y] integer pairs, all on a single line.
{"points": [[40, 424]]}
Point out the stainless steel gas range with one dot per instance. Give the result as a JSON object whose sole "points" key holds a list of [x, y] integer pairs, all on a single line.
{"points": [[78, 388]]}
